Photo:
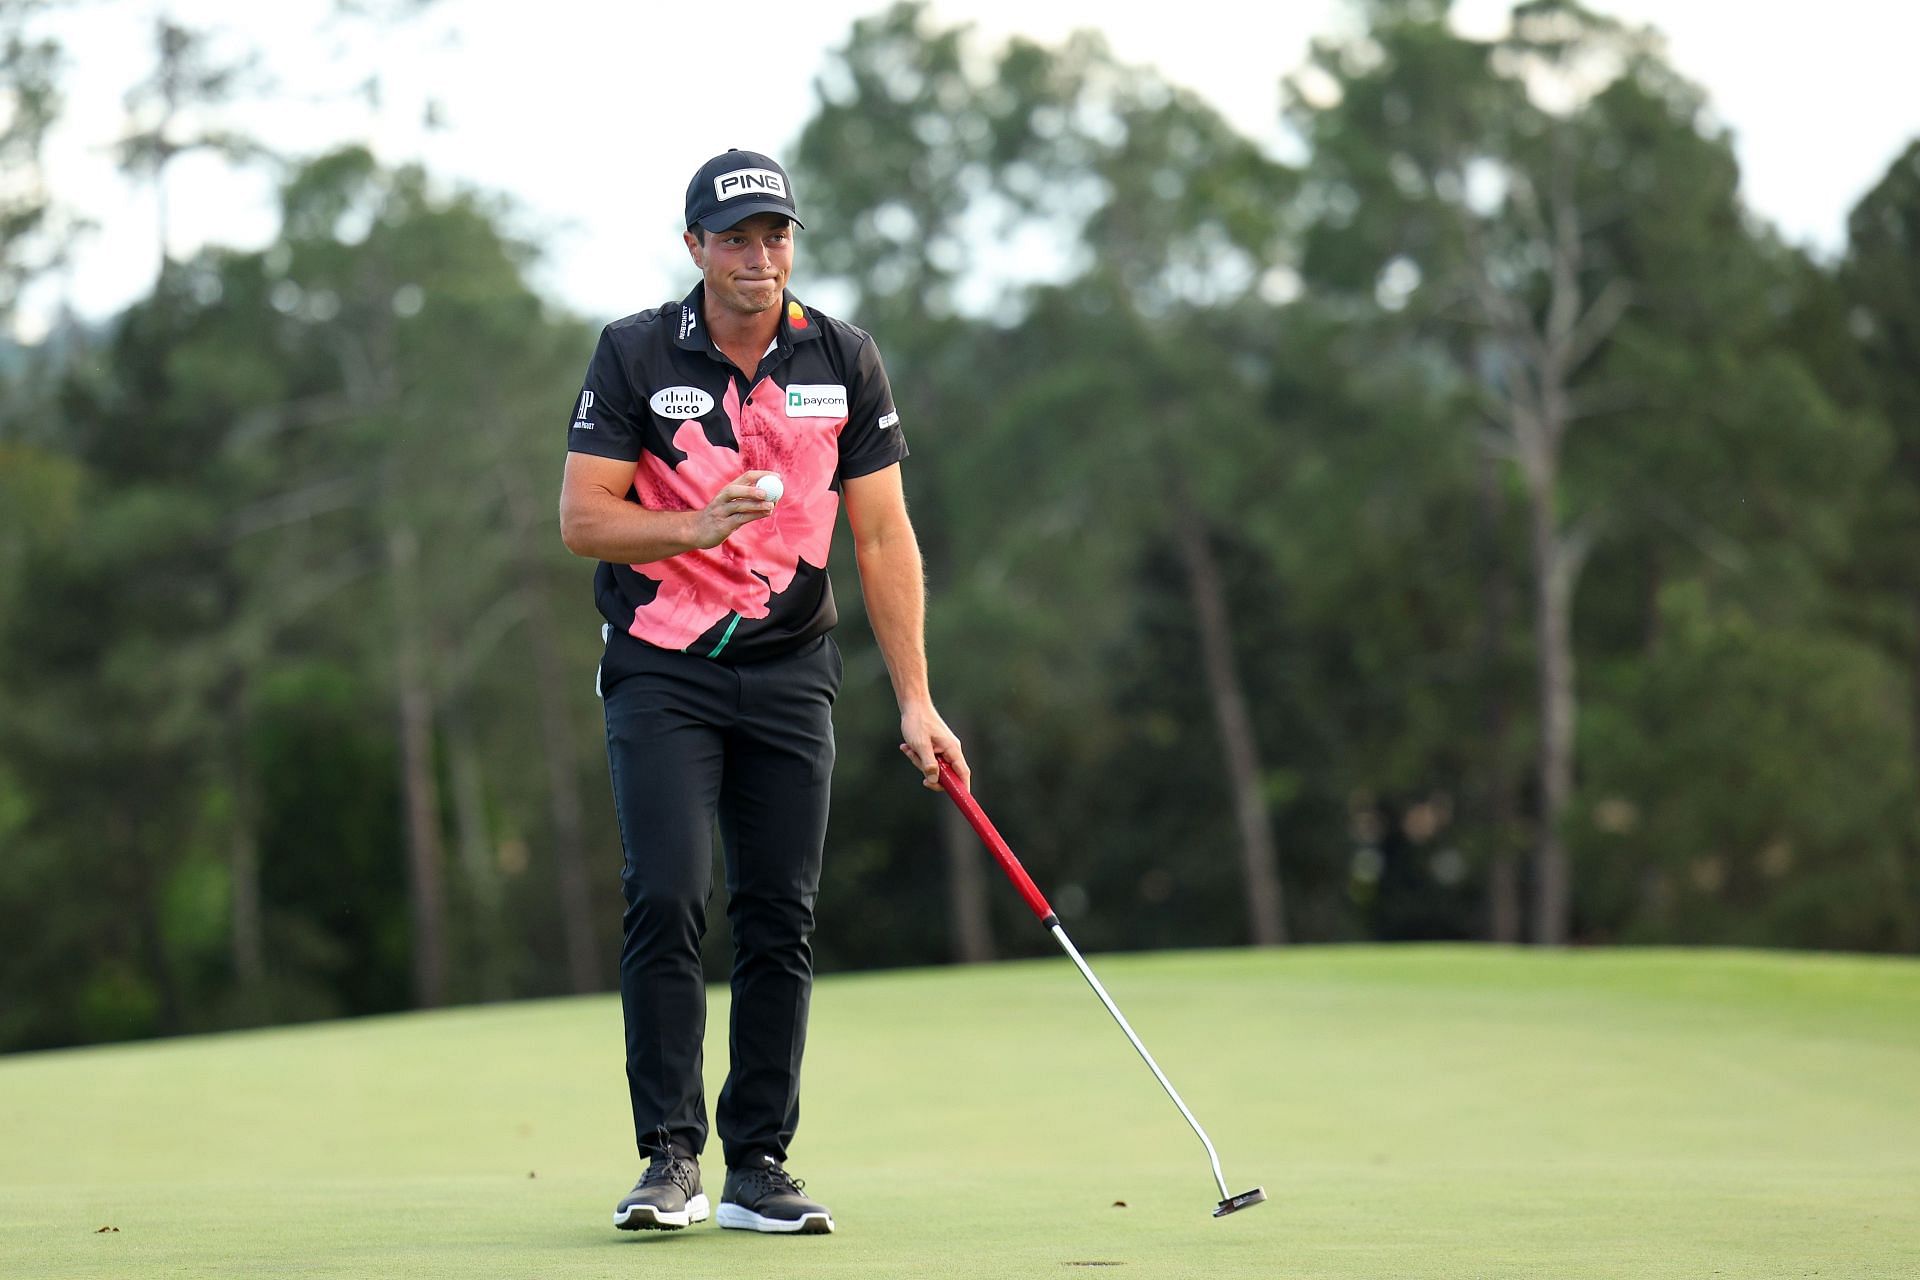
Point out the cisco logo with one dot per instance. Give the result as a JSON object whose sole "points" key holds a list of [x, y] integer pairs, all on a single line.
{"points": [[681, 402]]}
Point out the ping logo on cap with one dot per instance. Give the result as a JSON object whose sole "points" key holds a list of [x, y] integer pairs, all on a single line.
{"points": [[743, 182]]}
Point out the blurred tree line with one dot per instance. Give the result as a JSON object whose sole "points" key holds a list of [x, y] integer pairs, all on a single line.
{"points": [[1483, 528]]}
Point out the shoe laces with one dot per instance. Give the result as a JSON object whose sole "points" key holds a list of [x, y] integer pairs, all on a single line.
{"points": [[672, 1169], [778, 1180]]}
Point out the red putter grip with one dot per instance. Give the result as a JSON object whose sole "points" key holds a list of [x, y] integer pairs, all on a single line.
{"points": [[982, 827]]}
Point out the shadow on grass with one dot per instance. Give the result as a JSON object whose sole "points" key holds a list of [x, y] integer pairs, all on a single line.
{"points": [[689, 1239]]}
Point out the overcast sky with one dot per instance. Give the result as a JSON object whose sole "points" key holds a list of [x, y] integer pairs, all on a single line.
{"points": [[591, 114]]}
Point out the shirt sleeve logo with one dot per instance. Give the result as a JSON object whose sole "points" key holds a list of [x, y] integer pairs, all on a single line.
{"points": [[889, 419], [681, 402], [817, 400]]}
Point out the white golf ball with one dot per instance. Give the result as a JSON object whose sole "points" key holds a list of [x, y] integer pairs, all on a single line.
{"points": [[771, 487]]}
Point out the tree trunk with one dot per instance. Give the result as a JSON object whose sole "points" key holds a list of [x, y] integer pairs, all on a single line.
{"points": [[127, 842], [1499, 799], [419, 786], [243, 872], [1909, 931], [969, 921], [1259, 860], [1555, 567], [559, 749], [479, 865], [126, 833], [1913, 685], [1542, 350], [1655, 631], [563, 791], [160, 215]]}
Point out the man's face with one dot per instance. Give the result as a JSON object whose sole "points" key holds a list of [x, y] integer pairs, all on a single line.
{"points": [[746, 266]]}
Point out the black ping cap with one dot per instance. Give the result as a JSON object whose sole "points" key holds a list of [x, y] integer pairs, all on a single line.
{"points": [[736, 185]]}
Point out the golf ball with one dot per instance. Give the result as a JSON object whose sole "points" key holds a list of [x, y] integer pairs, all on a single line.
{"points": [[771, 487]]}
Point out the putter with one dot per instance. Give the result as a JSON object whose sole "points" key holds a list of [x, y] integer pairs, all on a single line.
{"points": [[1037, 903]]}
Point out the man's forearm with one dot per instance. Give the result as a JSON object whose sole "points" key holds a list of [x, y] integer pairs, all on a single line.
{"points": [[895, 590], [626, 533]]}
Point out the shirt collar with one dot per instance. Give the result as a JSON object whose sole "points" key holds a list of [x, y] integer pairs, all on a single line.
{"points": [[692, 334], [797, 323]]}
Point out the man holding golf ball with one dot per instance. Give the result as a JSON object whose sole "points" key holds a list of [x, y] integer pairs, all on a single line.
{"points": [[713, 444]]}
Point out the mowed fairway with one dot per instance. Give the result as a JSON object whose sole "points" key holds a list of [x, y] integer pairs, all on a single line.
{"points": [[1412, 1112]]}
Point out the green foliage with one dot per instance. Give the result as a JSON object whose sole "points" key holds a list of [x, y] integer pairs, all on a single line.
{"points": [[29, 105], [334, 884], [1866, 324], [295, 495], [200, 565], [1796, 823]]}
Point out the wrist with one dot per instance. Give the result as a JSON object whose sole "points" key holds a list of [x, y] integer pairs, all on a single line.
{"points": [[686, 531]]}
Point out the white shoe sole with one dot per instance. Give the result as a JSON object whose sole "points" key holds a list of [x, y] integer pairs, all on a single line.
{"points": [[740, 1218], [644, 1217]]}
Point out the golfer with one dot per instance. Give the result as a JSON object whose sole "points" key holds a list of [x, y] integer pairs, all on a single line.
{"points": [[720, 671]]}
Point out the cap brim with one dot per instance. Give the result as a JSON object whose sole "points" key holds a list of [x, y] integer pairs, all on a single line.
{"points": [[734, 215]]}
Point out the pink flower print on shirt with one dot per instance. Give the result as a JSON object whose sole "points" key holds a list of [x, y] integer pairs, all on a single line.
{"points": [[702, 587]]}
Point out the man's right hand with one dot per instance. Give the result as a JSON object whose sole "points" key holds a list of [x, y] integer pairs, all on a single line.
{"points": [[597, 520], [739, 503]]}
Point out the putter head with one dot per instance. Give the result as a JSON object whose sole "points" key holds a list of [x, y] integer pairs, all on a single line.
{"points": [[1233, 1204]]}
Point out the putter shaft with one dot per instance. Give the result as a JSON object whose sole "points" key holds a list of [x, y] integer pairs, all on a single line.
{"points": [[1037, 903], [1086, 971]]}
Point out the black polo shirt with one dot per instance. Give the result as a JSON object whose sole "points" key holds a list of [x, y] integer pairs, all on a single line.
{"points": [[818, 411]]}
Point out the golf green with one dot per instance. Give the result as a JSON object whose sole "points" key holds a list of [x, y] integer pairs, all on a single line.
{"points": [[1411, 1111]]}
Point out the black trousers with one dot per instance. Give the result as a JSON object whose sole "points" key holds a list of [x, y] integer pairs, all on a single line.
{"points": [[689, 740]]}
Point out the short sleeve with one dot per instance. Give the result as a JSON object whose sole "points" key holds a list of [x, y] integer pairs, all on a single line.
{"points": [[871, 440], [605, 422]]}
